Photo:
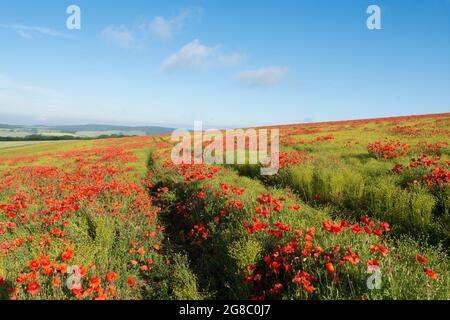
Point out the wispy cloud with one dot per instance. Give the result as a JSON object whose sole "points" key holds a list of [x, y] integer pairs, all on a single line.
{"points": [[165, 28], [121, 37], [197, 56], [263, 77], [31, 32], [136, 35]]}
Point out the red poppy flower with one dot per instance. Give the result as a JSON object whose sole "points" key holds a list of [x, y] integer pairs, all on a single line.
{"points": [[238, 204], [111, 277], [384, 251], [332, 227], [33, 288], [377, 232], [431, 273], [309, 289], [385, 226], [201, 195], [44, 261], [356, 228], [306, 253], [276, 289], [81, 270], [67, 254], [101, 296], [131, 282], [94, 282], [421, 259], [308, 245], [34, 265], [365, 220], [77, 293], [372, 264], [330, 268], [352, 257], [56, 282]]}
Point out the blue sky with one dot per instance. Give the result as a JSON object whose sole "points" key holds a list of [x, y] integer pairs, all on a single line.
{"points": [[227, 63]]}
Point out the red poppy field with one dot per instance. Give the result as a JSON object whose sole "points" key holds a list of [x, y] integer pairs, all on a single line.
{"points": [[359, 210]]}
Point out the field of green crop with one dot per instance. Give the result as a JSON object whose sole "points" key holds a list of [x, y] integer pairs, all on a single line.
{"points": [[358, 210], [13, 144]]}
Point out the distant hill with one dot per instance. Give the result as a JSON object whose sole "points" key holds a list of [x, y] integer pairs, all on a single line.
{"points": [[149, 130], [9, 126], [88, 130]]}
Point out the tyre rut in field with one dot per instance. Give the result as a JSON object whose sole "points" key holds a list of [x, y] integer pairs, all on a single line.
{"points": [[210, 271]]}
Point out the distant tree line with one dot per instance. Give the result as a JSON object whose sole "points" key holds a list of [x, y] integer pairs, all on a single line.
{"points": [[40, 137]]}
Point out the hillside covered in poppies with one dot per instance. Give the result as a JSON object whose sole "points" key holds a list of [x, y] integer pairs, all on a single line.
{"points": [[358, 210]]}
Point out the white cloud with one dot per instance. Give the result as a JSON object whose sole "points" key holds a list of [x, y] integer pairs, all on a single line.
{"points": [[30, 32], [262, 77], [192, 55], [195, 55], [161, 27], [164, 28], [136, 35], [121, 36], [231, 59]]}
